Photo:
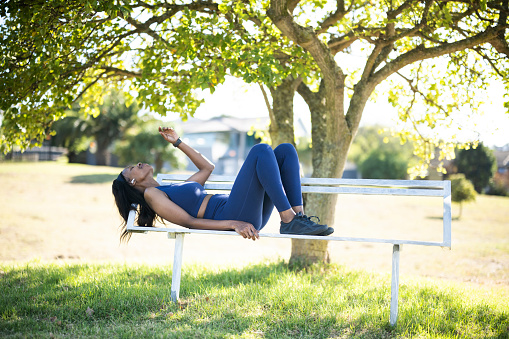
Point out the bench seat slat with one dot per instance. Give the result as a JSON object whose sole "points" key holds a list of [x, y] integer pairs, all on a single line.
{"points": [[216, 179], [373, 190], [373, 182], [277, 235], [344, 190]]}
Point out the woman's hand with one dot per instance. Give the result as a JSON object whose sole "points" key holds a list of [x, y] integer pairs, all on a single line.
{"points": [[245, 229], [169, 134]]}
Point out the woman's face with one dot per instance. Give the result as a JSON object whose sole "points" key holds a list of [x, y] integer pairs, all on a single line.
{"points": [[137, 172]]}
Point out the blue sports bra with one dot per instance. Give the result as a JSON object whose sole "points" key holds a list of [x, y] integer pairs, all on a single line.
{"points": [[188, 195]]}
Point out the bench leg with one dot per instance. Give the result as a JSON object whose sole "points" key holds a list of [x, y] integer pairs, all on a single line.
{"points": [[177, 267], [394, 284]]}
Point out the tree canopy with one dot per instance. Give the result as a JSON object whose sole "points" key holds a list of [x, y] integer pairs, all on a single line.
{"points": [[77, 130], [55, 52]]}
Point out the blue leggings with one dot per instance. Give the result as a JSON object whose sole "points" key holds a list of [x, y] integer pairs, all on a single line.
{"points": [[267, 178]]}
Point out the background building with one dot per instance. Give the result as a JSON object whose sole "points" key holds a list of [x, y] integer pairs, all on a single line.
{"points": [[223, 140]]}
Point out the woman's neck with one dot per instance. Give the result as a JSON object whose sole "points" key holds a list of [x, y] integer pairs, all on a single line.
{"points": [[149, 182]]}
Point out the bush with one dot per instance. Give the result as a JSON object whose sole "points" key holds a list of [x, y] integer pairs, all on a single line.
{"points": [[384, 163], [496, 188], [462, 190]]}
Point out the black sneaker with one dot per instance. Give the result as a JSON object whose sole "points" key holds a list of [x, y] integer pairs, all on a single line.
{"points": [[302, 225], [329, 231]]}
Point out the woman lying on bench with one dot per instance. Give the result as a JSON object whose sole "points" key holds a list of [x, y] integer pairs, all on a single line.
{"points": [[267, 178]]}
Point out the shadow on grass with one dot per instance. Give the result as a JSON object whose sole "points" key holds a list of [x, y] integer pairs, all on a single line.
{"points": [[263, 300], [100, 178]]}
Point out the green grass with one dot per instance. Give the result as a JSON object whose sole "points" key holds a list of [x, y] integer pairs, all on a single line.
{"points": [[265, 300]]}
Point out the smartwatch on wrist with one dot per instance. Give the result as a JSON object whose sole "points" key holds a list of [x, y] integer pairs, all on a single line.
{"points": [[177, 143]]}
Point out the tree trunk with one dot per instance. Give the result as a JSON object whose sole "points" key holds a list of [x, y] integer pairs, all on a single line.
{"points": [[332, 130], [281, 113], [331, 140], [72, 157], [158, 162], [101, 154]]}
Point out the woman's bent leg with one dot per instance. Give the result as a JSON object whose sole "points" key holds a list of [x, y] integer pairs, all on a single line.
{"points": [[289, 167], [257, 188]]}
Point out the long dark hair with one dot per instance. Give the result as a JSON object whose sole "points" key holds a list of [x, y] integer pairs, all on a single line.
{"points": [[125, 195]]}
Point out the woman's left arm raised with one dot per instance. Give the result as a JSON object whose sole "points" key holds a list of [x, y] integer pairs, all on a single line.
{"points": [[204, 165]]}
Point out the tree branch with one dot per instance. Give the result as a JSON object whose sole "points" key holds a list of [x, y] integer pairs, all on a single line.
{"points": [[88, 86], [292, 4], [392, 37], [415, 90], [500, 43], [305, 93], [143, 28], [488, 59], [267, 103], [422, 53], [335, 17], [304, 37], [337, 45], [121, 72]]}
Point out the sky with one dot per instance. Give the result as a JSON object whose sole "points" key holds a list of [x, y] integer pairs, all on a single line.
{"points": [[235, 98]]}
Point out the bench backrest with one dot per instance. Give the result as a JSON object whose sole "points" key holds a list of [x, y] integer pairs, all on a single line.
{"points": [[352, 186]]}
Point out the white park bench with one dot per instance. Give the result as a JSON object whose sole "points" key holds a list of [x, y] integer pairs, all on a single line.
{"points": [[216, 184]]}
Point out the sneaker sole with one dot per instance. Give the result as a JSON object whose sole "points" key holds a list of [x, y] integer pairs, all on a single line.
{"points": [[315, 232], [329, 231]]}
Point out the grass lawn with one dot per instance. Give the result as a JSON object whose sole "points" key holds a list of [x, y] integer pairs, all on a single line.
{"points": [[60, 255], [264, 300]]}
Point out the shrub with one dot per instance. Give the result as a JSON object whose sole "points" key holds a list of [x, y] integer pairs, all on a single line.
{"points": [[462, 190], [496, 188], [384, 163]]}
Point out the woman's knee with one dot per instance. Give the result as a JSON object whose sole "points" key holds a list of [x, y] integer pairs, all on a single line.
{"points": [[260, 148], [285, 149]]}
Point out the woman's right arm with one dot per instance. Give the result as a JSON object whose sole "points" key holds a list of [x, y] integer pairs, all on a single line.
{"points": [[204, 165], [172, 212]]}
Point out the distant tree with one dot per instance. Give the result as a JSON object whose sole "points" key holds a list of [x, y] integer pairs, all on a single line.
{"points": [[378, 155], [478, 164], [69, 133], [384, 163], [143, 144], [368, 138], [462, 190], [116, 116]]}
